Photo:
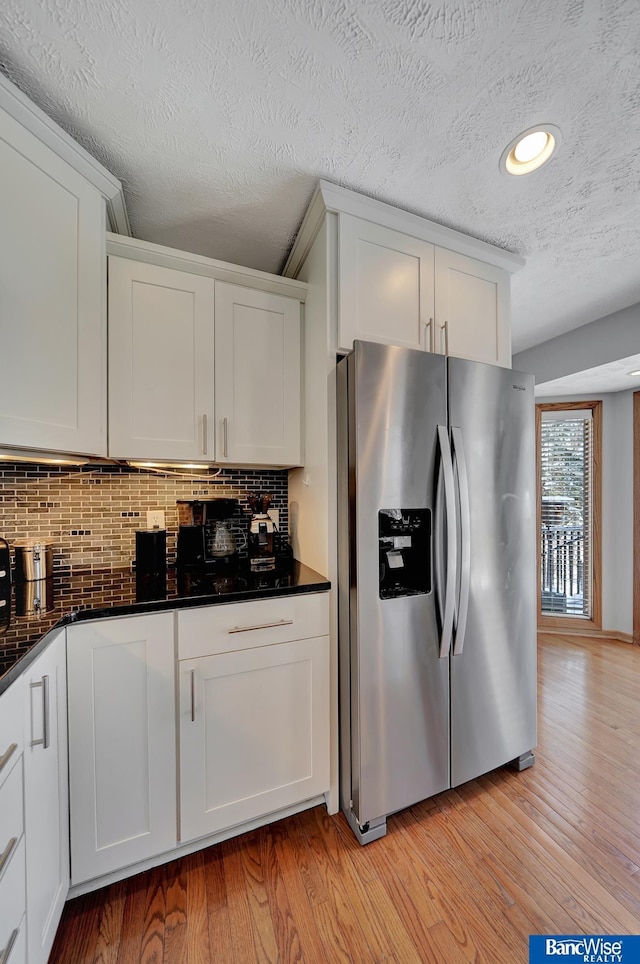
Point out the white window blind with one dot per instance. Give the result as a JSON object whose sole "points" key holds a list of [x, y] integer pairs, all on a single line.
{"points": [[566, 470]]}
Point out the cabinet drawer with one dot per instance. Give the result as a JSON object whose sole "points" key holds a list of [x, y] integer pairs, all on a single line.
{"points": [[11, 824], [229, 627], [12, 897], [11, 734]]}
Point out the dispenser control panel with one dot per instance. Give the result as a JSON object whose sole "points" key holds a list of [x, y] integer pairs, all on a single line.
{"points": [[404, 552]]}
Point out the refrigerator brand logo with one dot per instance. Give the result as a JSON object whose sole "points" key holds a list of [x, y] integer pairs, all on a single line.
{"points": [[587, 950], [520, 388]]}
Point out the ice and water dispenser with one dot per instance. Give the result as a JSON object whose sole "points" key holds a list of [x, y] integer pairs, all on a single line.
{"points": [[404, 552]]}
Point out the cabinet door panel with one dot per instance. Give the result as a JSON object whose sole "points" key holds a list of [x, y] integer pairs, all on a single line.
{"points": [[254, 731], [473, 298], [53, 386], [257, 377], [121, 742], [160, 362], [46, 797], [386, 286]]}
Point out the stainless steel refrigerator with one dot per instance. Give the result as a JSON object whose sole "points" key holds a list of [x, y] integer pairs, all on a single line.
{"points": [[437, 612]]}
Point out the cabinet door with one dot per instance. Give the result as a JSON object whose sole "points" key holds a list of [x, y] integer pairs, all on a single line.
{"points": [[122, 774], [160, 363], [254, 733], [386, 286], [258, 390], [46, 797], [52, 278], [472, 309]]}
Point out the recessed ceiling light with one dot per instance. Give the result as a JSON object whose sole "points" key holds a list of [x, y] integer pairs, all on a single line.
{"points": [[530, 149], [633, 373]]}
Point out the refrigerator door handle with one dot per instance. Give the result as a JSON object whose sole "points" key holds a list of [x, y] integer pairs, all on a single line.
{"points": [[452, 541], [465, 540]]}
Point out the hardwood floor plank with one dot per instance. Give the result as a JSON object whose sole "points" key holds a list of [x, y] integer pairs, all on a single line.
{"points": [[353, 942], [466, 905], [77, 936], [292, 879], [197, 937], [261, 920], [220, 942], [385, 934], [240, 932], [110, 926]]}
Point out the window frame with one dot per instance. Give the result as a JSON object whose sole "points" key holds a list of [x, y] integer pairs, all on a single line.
{"points": [[571, 623]]}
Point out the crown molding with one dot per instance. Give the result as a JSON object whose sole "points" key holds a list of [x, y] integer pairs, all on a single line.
{"points": [[33, 119], [331, 197], [150, 253]]}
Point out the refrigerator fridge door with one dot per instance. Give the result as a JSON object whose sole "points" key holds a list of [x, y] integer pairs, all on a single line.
{"points": [[493, 666], [394, 685]]}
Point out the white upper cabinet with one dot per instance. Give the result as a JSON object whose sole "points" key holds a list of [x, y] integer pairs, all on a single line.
{"points": [[386, 286], [404, 291], [52, 279], [399, 279], [200, 368], [160, 363], [53, 385], [471, 309], [257, 377]]}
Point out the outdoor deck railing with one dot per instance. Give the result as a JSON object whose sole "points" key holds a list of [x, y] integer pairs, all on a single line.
{"points": [[563, 565]]}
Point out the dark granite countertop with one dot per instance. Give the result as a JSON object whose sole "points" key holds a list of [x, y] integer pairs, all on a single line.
{"points": [[35, 609]]}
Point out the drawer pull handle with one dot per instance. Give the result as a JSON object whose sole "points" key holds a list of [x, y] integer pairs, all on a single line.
{"points": [[4, 759], [8, 850], [44, 740], [249, 629], [4, 955]]}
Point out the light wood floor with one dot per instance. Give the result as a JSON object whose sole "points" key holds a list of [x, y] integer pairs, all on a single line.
{"points": [[465, 876]]}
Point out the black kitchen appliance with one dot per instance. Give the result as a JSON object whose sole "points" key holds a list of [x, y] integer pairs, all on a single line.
{"points": [[151, 564], [5, 585], [262, 535], [205, 536]]}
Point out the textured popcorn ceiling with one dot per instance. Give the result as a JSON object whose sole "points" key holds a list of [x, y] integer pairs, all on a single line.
{"points": [[220, 116]]}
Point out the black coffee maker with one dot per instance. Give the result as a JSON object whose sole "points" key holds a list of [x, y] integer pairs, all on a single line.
{"points": [[205, 539]]}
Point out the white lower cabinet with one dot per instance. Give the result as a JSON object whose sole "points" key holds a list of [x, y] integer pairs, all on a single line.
{"points": [[46, 797], [254, 720], [13, 934], [122, 774]]}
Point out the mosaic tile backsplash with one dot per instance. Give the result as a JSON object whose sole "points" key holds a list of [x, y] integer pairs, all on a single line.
{"points": [[90, 513]]}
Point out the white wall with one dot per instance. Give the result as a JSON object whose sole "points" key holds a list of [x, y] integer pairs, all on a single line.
{"points": [[617, 506], [605, 340]]}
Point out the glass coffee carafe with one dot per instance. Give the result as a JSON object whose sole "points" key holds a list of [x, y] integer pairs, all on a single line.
{"points": [[223, 542]]}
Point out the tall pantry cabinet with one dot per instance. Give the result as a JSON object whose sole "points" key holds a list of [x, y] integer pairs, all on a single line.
{"points": [[377, 273]]}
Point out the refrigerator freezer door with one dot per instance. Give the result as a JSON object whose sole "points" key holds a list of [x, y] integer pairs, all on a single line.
{"points": [[493, 679], [399, 687]]}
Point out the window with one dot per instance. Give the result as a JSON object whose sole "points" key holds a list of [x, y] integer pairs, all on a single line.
{"points": [[569, 443]]}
